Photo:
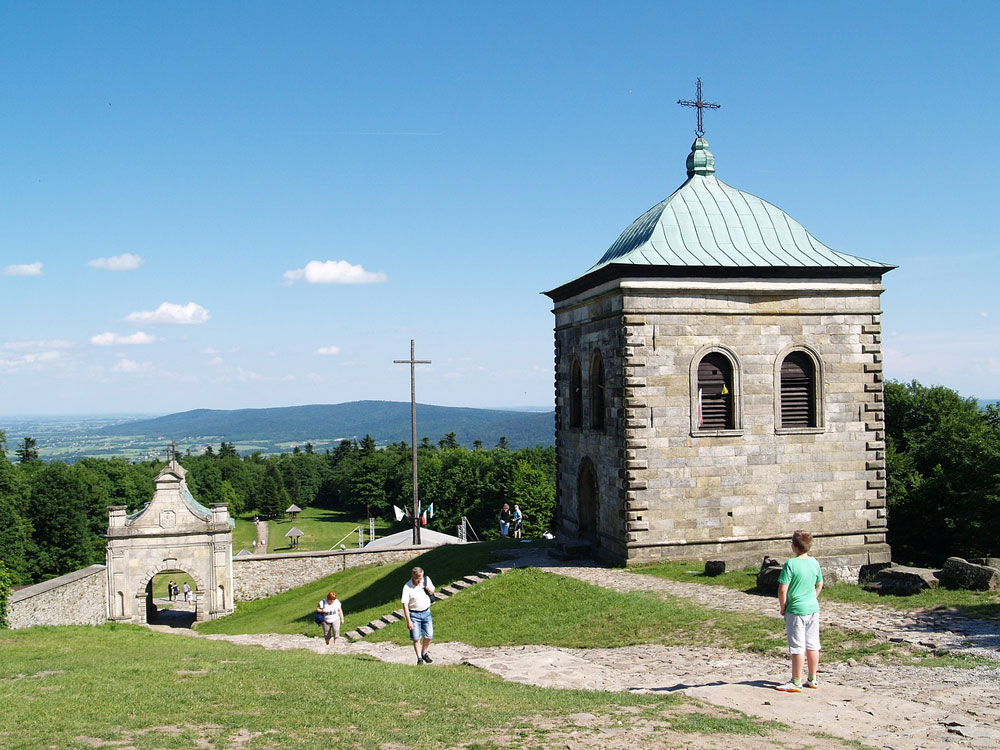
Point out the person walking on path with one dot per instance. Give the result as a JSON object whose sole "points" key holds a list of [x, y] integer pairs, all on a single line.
{"points": [[517, 519], [417, 593], [799, 585], [187, 591], [333, 617], [170, 590], [504, 520]]}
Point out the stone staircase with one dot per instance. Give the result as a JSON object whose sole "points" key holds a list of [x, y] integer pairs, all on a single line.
{"points": [[445, 592]]}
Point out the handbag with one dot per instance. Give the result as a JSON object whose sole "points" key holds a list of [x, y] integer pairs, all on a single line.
{"points": [[319, 618]]}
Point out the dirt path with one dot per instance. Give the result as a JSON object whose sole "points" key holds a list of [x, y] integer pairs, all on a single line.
{"points": [[886, 706]]}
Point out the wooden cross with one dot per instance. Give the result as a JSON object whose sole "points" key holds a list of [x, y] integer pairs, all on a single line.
{"points": [[412, 362], [171, 452], [701, 106]]}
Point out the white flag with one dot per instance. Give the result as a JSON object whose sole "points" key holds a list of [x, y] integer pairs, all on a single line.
{"points": [[398, 511]]}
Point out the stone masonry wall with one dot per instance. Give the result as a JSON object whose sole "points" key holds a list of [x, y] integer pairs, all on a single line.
{"points": [[595, 327], [77, 598], [261, 576], [670, 490]]}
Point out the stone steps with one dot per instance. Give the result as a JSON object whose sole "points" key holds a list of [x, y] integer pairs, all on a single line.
{"points": [[445, 592]]}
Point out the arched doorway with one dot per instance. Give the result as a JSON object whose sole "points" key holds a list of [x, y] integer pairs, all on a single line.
{"points": [[588, 501], [177, 610]]}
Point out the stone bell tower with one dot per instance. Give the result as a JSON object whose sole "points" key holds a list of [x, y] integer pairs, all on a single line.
{"points": [[719, 385]]}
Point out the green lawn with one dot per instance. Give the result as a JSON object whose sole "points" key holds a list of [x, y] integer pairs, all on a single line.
{"points": [[968, 603], [322, 528], [366, 593], [527, 606], [75, 687]]}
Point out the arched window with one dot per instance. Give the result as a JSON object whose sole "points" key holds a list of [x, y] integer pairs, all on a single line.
{"points": [[798, 391], [597, 402], [715, 393], [575, 396]]}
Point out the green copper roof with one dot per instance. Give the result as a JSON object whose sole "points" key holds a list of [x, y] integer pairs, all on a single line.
{"points": [[707, 223]]}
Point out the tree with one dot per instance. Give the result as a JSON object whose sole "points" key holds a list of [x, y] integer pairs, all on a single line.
{"points": [[228, 450], [61, 538], [5, 584], [273, 496], [942, 472], [14, 529], [28, 451]]}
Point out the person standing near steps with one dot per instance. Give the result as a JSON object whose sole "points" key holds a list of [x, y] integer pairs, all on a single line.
{"points": [[416, 600]]}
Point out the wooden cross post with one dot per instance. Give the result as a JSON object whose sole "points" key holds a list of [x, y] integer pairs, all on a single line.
{"points": [[412, 362], [701, 106]]}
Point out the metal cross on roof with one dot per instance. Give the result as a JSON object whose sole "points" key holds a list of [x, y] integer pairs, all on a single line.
{"points": [[701, 106]]}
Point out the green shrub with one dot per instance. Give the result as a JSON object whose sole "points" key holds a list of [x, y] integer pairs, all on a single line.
{"points": [[5, 580]]}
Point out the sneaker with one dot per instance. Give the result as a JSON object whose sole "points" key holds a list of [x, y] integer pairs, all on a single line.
{"points": [[789, 687], [427, 658], [419, 661], [812, 684]]}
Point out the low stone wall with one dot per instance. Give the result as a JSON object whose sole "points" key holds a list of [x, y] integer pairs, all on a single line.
{"points": [[260, 576], [77, 598]]}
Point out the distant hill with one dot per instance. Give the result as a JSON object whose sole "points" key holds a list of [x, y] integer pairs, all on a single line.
{"points": [[386, 421]]}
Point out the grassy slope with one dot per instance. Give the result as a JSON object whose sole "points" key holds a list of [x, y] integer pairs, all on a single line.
{"points": [[61, 686], [969, 603], [366, 593], [323, 529], [531, 607]]}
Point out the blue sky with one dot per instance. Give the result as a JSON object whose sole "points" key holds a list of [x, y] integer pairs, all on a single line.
{"points": [[185, 188]]}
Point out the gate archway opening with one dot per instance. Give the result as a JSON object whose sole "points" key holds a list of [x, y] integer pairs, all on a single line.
{"points": [[173, 610]]}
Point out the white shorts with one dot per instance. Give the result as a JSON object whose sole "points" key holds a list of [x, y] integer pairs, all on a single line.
{"points": [[803, 632]]}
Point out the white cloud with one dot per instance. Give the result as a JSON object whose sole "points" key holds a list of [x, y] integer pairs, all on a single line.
{"points": [[333, 272], [171, 314], [248, 376], [128, 366], [29, 360], [314, 377], [328, 350], [123, 262], [23, 269], [38, 344], [216, 361], [984, 314], [116, 339]]}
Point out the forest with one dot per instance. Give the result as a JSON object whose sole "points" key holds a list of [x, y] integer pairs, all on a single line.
{"points": [[942, 467], [53, 516]]}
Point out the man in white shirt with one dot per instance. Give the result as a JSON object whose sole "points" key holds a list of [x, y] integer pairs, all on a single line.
{"points": [[416, 600]]}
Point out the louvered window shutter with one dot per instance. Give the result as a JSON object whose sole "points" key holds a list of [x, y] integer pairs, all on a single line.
{"points": [[798, 405], [715, 392]]}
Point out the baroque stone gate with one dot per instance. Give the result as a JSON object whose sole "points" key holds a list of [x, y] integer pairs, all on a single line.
{"points": [[174, 532]]}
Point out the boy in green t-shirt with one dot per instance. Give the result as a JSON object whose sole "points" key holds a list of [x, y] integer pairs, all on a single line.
{"points": [[799, 585]]}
